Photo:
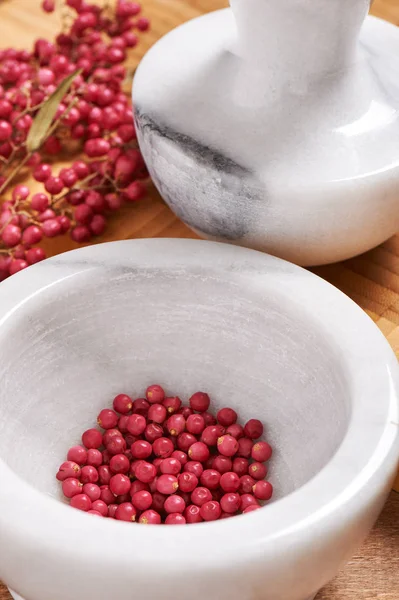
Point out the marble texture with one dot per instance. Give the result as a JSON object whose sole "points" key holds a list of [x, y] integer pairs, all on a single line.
{"points": [[286, 143], [274, 339]]}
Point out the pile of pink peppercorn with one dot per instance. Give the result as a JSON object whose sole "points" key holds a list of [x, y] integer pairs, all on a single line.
{"points": [[157, 461]]}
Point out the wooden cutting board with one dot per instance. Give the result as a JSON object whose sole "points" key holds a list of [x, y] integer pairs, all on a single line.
{"points": [[371, 280]]}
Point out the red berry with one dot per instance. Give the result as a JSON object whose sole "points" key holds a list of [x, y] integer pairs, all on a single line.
{"points": [[80, 234], [136, 424], [122, 424], [155, 394], [34, 255], [185, 440], [39, 202], [193, 466], [210, 511], [172, 404], [100, 507], [244, 447], [117, 445], [96, 147], [92, 490], [230, 482], [227, 445], [187, 481], [150, 517], [226, 417], [153, 432], [51, 228], [107, 419], [251, 508], [210, 479], [123, 404], [83, 214], [77, 454], [175, 519], [5, 130], [54, 185], [211, 434], [176, 424], [223, 464], [181, 456], [186, 411], [126, 512], [240, 466], [141, 407], [119, 464], [246, 484], [237, 431], [230, 503], [89, 474], [209, 419], [247, 500], [192, 514], [200, 402], [109, 434], [92, 438], [138, 486], [81, 502], [158, 501], [163, 447], [104, 474], [69, 177], [195, 424], [48, 5], [141, 449], [200, 496], [263, 490], [11, 235], [170, 466], [143, 24], [199, 452], [257, 470], [167, 484], [71, 487], [112, 508], [142, 500], [106, 495], [261, 451], [68, 469], [119, 484], [253, 429], [81, 169], [134, 191], [94, 457], [145, 472], [157, 413], [174, 504]]}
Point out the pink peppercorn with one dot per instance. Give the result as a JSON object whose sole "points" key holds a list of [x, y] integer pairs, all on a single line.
{"points": [[145, 472], [211, 434], [117, 445], [94, 457], [89, 474], [176, 424], [94, 512], [122, 424], [195, 424], [247, 500], [186, 411], [257, 470], [210, 511], [141, 449], [223, 464], [138, 486], [246, 484], [150, 517], [261, 451], [126, 512], [119, 484], [157, 413], [253, 429], [181, 456], [153, 432], [200, 496], [109, 434], [155, 394], [104, 474], [123, 404], [92, 438], [226, 417], [240, 465], [123, 498], [175, 519], [71, 487], [106, 495], [244, 447], [167, 484], [100, 507], [200, 402], [187, 482], [157, 464], [199, 452], [68, 469], [193, 466], [174, 504], [136, 424], [107, 419], [81, 502], [210, 478], [163, 447], [141, 406], [92, 490], [230, 482], [236, 430], [262, 490], [142, 500], [250, 508], [112, 508], [78, 455], [170, 466], [172, 404], [209, 419], [185, 440], [106, 457], [230, 503], [119, 464], [158, 501], [227, 445], [192, 514]]}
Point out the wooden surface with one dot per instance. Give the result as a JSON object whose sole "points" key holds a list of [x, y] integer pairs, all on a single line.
{"points": [[372, 280]]}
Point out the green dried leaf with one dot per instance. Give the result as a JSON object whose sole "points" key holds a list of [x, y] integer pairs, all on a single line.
{"points": [[44, 118]]}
